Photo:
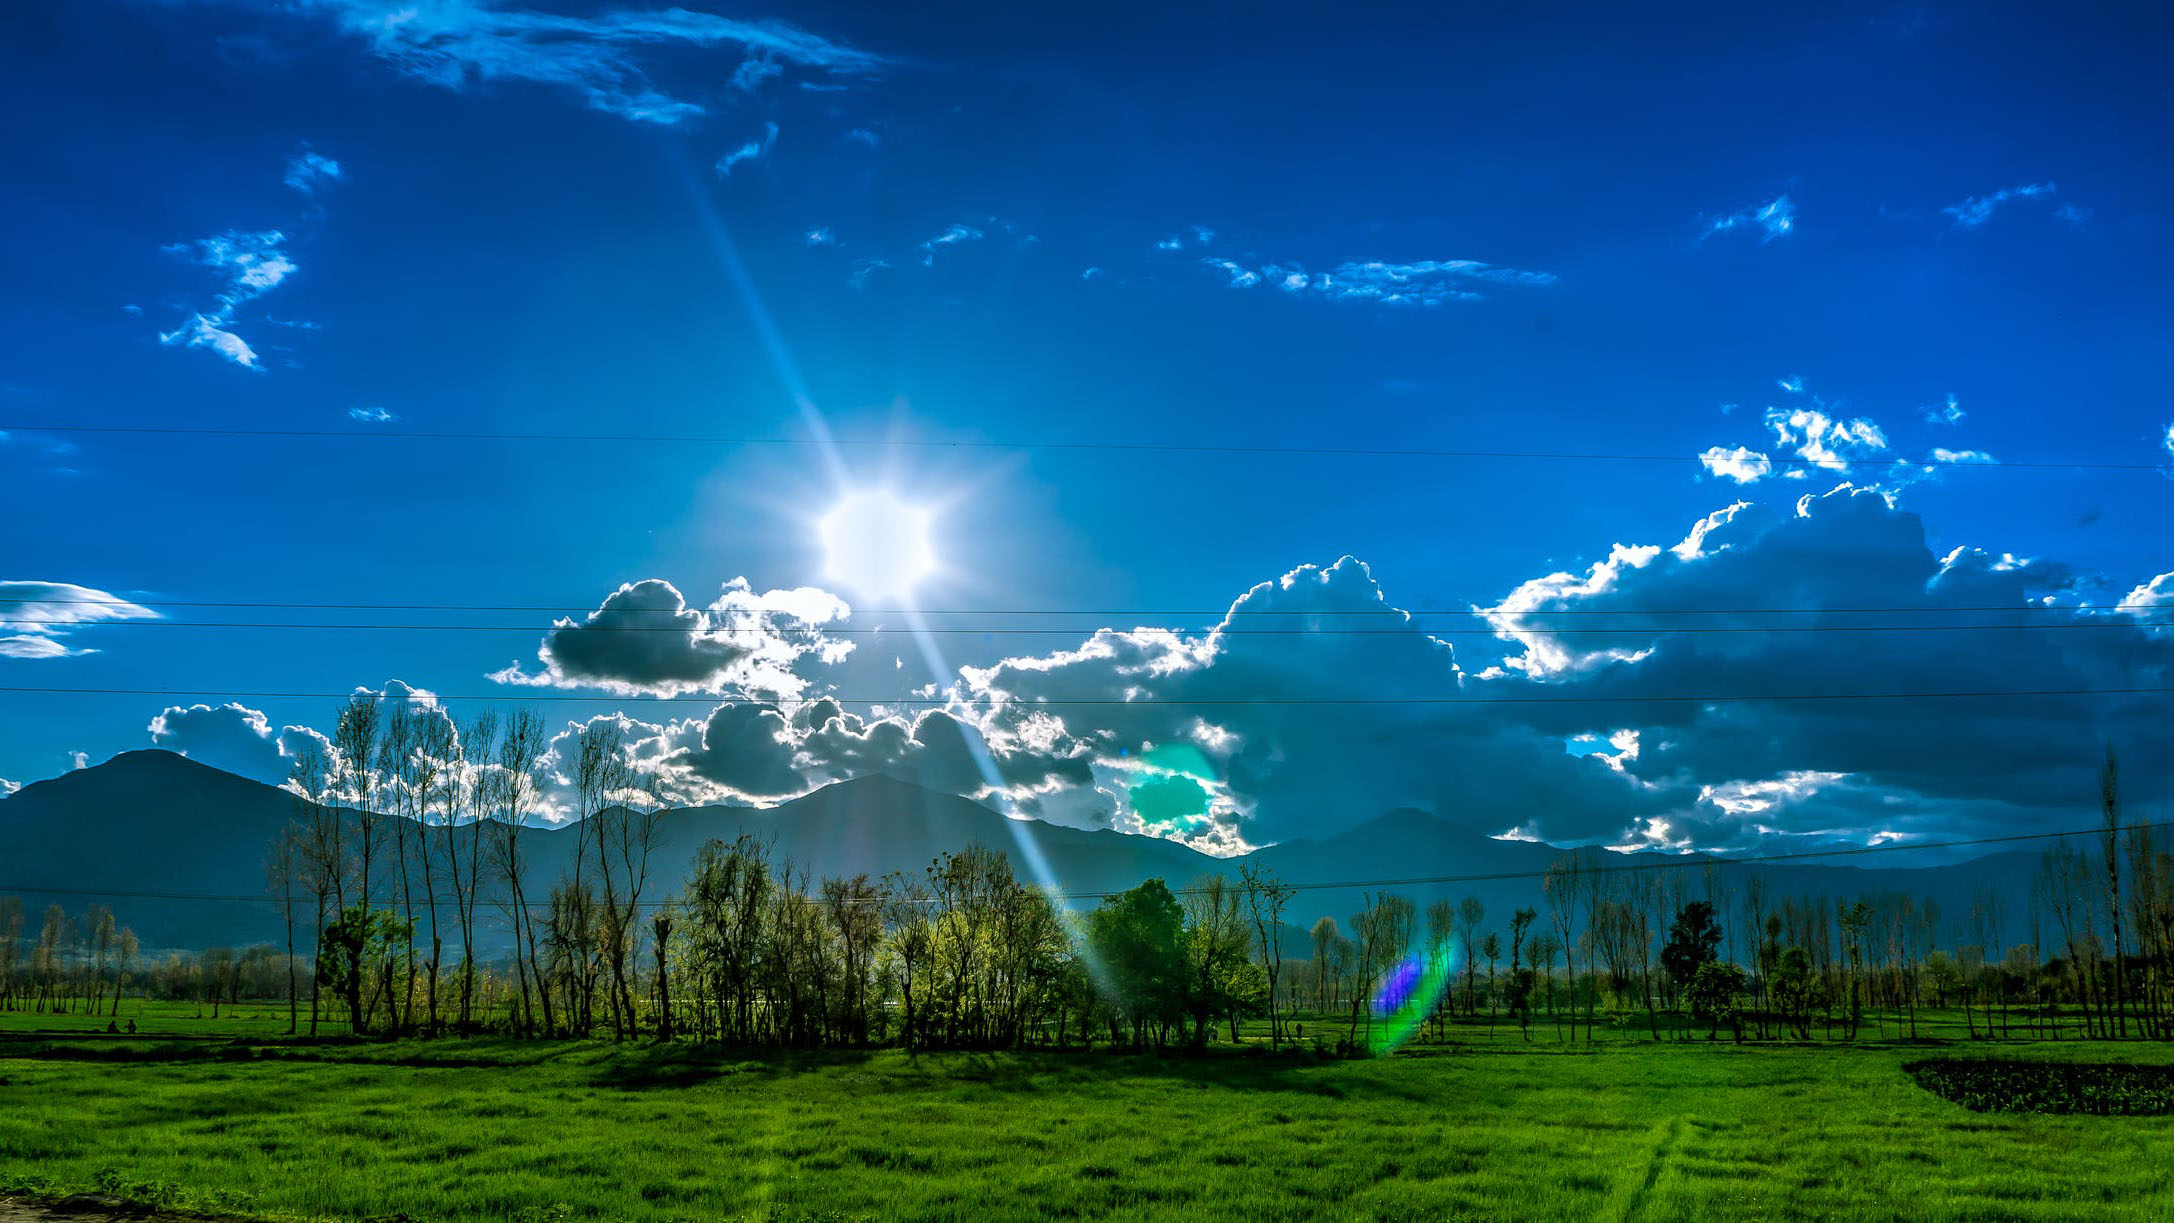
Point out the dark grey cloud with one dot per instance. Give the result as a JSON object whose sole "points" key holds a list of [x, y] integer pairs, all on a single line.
{"points": [[1298, 734], [748, 749], [1838, 554], [646, 640]]}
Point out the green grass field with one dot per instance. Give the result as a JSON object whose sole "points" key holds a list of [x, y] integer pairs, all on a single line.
{"points": [[1480, 1129]]}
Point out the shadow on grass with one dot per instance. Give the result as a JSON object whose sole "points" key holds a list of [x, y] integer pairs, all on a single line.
{"points": [[642, 1067]]}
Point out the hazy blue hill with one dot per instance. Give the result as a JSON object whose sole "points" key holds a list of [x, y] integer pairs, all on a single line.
{"points": [[878, 824], [147, 821], [151, 822]]}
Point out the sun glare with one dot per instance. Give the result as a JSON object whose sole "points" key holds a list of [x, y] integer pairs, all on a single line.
{"points": [[876, 544]]}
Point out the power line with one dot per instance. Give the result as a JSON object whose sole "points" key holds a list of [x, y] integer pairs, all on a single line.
{"points": [[1420, 452], [1066, 631], [1106, 702], [1673, 862], [1061, 630], [588, 606]]}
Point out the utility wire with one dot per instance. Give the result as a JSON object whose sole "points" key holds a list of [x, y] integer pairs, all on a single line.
{"points": [[588, 606], [1425, 452], [1060, 630], [1101, 702], [1673, 862]]}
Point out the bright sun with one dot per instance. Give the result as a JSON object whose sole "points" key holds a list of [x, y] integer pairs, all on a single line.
{"points": [[876, 544]]}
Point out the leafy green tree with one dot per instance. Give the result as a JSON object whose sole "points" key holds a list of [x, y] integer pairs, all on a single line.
{"points": [[356, 940], [1694, 941], [1716, 993], [1138, 938], [1521, 977], [1792, 989], [1942, 973]]}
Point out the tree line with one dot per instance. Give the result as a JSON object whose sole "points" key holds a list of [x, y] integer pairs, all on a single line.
{"points": [[406, 850]]}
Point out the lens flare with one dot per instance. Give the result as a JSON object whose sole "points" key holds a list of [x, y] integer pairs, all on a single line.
{"points": [[1408, 995]]}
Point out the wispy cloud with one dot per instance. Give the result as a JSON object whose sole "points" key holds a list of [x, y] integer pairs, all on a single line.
{"points": [[1979, 209], [1241, 277], [754, 70], [253, 264], [1198, 235], [36, 617], [864, 268], [309, 170], [373, 416], [1427, 282], [1775, 219], [748, 152], [821, 236], [1949, 413], [603, 58], [953, 235]]}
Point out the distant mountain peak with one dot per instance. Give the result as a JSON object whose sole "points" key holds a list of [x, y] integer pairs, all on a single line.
{"points": [[145, 766]]}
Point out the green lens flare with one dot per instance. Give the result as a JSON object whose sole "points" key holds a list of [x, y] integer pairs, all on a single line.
{"points": [[1408, 994]]}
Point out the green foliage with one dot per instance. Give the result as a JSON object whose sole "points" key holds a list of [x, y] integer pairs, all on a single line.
{"points": [[1715, 994], [1694, 941], [1984, 1085], [1136, 940]]}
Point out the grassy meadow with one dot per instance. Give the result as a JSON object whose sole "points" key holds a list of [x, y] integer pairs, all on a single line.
{"points": [[1484, 1127]]}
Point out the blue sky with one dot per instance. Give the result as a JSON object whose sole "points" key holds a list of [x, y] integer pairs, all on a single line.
{"points": [[1800, 244]]}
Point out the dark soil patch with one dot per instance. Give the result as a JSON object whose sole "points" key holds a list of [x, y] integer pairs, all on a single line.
{"points": [[2102, 1089]]}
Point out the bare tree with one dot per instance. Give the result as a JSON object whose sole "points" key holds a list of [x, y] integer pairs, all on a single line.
{"points": [[1383, 931], [623, 824], [1265, 897], [478, 781], [283, 872], [512, 792], [2109, 842], [418, 747], [2064, 880], [1214, 935], [912, 946], [355, 736], [1324, 935], [1470, 913], [320, 847], [1563, 885], [854, 907], [125, 949]]}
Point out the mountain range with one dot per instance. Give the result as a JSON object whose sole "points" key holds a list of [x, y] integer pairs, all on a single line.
{"points": [[179, 849]]}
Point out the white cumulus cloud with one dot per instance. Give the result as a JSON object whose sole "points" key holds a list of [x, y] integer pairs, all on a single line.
{"points": [[1739, 463]]}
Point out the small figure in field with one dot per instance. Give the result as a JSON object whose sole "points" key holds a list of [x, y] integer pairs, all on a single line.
{"points": [[112, 1028], [131, 1027]]}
